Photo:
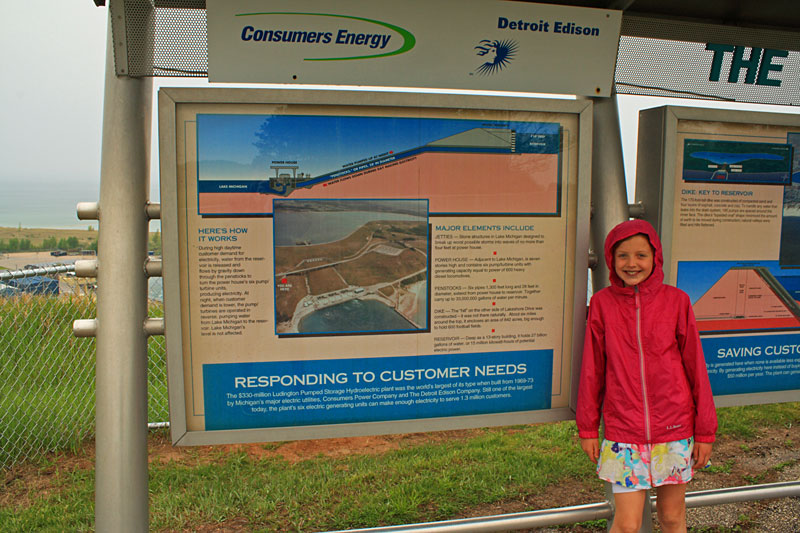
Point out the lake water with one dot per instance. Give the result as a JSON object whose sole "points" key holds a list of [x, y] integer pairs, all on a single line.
{"points": [[421, 316], [318, 227], [355, 316], [34, 204]]}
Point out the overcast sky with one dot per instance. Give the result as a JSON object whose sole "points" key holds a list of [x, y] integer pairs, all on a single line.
{"points": [[52, 59]]}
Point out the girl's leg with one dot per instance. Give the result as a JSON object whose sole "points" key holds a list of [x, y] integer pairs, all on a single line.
{"points": [[671, 505], [628, 511]]}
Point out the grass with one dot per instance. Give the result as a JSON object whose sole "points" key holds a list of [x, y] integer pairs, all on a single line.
{"points": [[428, 481], [424, 482], [38, 235], [724, 468], [744, 421], [47, 375]]}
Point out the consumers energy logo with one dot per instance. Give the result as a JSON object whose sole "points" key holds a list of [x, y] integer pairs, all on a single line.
{"points": [[342, 33]]}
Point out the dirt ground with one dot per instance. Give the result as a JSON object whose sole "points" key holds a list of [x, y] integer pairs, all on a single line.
{"points": [[774, 456]]}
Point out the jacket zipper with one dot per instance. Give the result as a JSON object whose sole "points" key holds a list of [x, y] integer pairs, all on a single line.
{"points": [[641, 362]]}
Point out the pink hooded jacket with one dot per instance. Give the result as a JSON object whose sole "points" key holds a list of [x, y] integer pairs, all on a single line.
{"points": [[643, 364]]}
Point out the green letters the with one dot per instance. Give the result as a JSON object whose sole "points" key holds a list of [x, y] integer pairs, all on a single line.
{"points": [[767, 66]]}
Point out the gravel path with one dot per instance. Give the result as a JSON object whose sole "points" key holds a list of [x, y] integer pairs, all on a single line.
{"points": [[780, 515], [773, 457]]}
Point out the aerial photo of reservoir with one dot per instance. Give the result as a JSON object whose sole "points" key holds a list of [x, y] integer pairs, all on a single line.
{"points": [[350, 266]]}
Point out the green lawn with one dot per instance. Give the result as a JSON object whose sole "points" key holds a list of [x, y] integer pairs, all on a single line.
{"points": [[420, 481]]}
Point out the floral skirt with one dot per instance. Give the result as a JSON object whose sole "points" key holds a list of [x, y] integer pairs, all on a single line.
{"points": [[644, 466]]}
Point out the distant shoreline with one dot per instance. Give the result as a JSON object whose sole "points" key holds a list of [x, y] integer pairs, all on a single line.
{"points": [[36, 238], [37, 235], [72, 227], [84, 227], [77, 227]]}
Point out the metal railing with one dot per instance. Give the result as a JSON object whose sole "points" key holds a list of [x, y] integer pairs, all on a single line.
{"points": [[47, 376], [8, 275], [583, 513]]}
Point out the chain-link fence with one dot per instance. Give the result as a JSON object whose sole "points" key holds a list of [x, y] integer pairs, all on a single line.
{"points": [[47, 376]]}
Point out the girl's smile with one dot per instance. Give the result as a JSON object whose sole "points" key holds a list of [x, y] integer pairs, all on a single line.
{"points": [[633, 260]]}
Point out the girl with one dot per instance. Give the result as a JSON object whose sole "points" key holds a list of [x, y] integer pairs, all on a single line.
{"points": [[643, 366]]}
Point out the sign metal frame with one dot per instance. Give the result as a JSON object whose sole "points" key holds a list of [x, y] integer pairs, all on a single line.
{"points": [[170, 100], [659, 149]]}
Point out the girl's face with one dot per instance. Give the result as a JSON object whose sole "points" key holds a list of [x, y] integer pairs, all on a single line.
{"points": [[633, 260]]}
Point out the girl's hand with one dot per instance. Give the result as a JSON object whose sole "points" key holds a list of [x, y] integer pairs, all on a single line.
{"points": [[701, 454], [591, 447]]}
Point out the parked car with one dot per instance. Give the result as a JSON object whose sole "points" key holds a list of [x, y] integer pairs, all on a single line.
{"points": [[35, 285], [58, 253], [8, 290]]}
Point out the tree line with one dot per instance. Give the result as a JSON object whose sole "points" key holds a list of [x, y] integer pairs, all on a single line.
{"points": [[65, 243], [49, 244]]}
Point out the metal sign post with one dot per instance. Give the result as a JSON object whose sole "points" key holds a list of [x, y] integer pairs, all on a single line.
{"points": [[121, 495], [609, 196]]}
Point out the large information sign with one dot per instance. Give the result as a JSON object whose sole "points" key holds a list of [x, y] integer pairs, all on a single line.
{"points": [[359, 263], [455, 44], [724, 187]]}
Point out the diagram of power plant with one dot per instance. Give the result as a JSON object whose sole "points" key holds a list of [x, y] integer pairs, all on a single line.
{"points": [[287, 179], [745, 299]]}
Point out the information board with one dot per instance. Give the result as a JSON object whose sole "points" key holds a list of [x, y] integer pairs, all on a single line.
{"points": [[723, 187], [344, 263]]}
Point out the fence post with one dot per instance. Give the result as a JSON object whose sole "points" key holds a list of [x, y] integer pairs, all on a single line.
{"points": [[121, 492]]}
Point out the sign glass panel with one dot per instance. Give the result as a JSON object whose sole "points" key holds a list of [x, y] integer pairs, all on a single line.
{"points": [[731, 215], [345, 264]]}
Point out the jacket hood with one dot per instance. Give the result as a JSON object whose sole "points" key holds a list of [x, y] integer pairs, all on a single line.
{"points": [[626, 229]]}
